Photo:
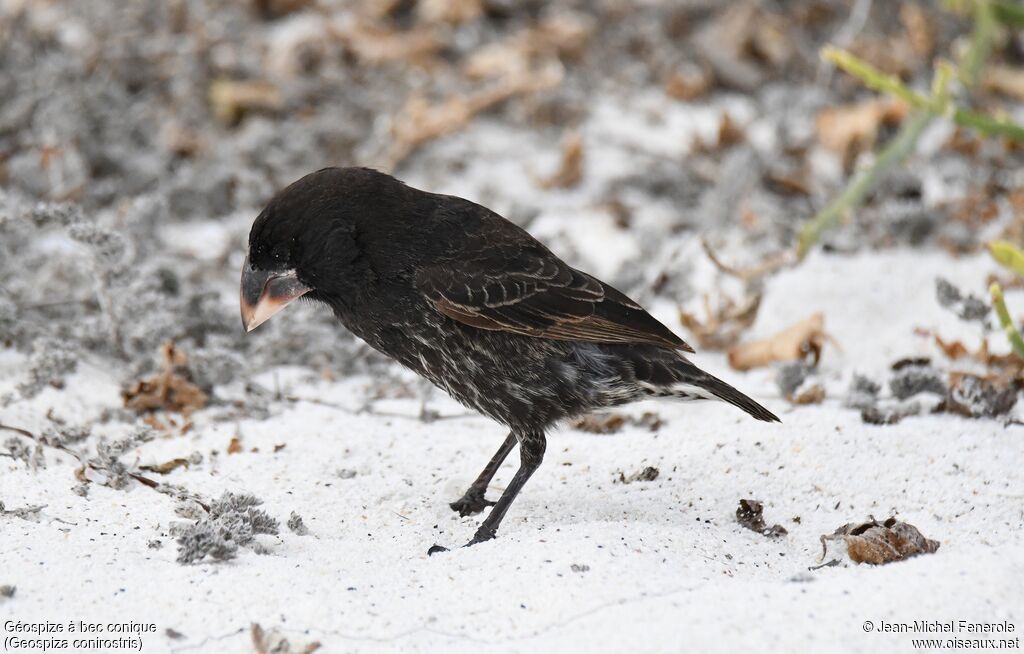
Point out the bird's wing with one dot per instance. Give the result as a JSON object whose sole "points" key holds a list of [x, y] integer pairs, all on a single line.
{"points": [[525, 289]]}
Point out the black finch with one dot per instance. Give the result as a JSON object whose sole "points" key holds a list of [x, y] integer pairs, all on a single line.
{"points": [[471, 302]]}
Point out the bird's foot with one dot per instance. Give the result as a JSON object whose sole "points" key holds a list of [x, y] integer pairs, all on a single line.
{"points": [[483, 534], [471, 503]]}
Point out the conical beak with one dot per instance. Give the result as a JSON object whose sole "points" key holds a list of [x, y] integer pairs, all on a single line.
{"points": [[265, 292]]}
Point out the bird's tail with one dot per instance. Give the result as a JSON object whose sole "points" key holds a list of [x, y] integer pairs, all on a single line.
{"points": [[689, 382]]}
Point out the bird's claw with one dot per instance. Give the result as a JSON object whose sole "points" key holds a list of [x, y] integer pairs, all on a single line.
{"points": [[471, 503], [483, 534], [436, 549]]}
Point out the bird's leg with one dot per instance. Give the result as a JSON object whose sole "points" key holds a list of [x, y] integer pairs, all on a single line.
{"points": [[531, 453], [473, 501]]}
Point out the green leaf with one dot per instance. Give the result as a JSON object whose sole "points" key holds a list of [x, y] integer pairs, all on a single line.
{"points": [[1007, 255], [1009, 13]]}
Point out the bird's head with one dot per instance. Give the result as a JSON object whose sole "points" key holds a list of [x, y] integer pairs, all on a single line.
{"points": [[304, 243]]}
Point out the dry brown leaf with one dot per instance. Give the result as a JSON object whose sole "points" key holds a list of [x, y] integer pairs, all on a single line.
{"points": [[419, 122], [274, 642], [851, 129], [973, 396], [232, 99], [750, 514], [235, 446], [743, 43], [880, 542], [919, 29], [377, 45], [729, 133], [611, 423], [1009, 365], [601, 423], [800, 341], [454, 12], [976, 209], [168, 390], [815, 394], [277, 8], [770, 40], [562, 36], [571, 168], [890, 54], [689, 83], [650, 473], [155, 423], [1005, 80], [181, 140], [788, 183], [723, 325], [964, 142], [166, 466], [952, 349]]}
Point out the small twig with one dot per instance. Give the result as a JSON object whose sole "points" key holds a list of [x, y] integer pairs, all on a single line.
{"points": [[30, 435], [142, 479], [46, 304], [773, 263], [19, 430], [367, 409], [24, 512]]}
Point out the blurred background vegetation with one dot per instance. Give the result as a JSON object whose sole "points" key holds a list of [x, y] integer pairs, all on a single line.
{"points": [[643, 140]]}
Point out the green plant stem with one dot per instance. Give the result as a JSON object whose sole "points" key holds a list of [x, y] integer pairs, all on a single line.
{"points": [[879, 81], [873, 78], [988, 125], [981, 42], [927, 107], [999, 304], [1009, 13], [894, 152]]}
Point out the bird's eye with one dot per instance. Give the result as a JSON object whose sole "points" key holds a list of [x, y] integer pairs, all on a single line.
{"points": [[279, 253]]}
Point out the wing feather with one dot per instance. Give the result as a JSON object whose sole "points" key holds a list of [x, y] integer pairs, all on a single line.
{"points": [[530, 291]]}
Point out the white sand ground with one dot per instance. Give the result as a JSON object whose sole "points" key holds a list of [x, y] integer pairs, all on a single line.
{"points": [[669, 570]]}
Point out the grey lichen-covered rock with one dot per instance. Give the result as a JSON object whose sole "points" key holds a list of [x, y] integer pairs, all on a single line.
{"points": [[909, 380], [50, 363], [966, 307], [975, 397], [20, 450], [863, 393], [296, 525], [206, 539], [9, 323], [889, 413], [108, 460], [233, 521], [789, 377]]}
